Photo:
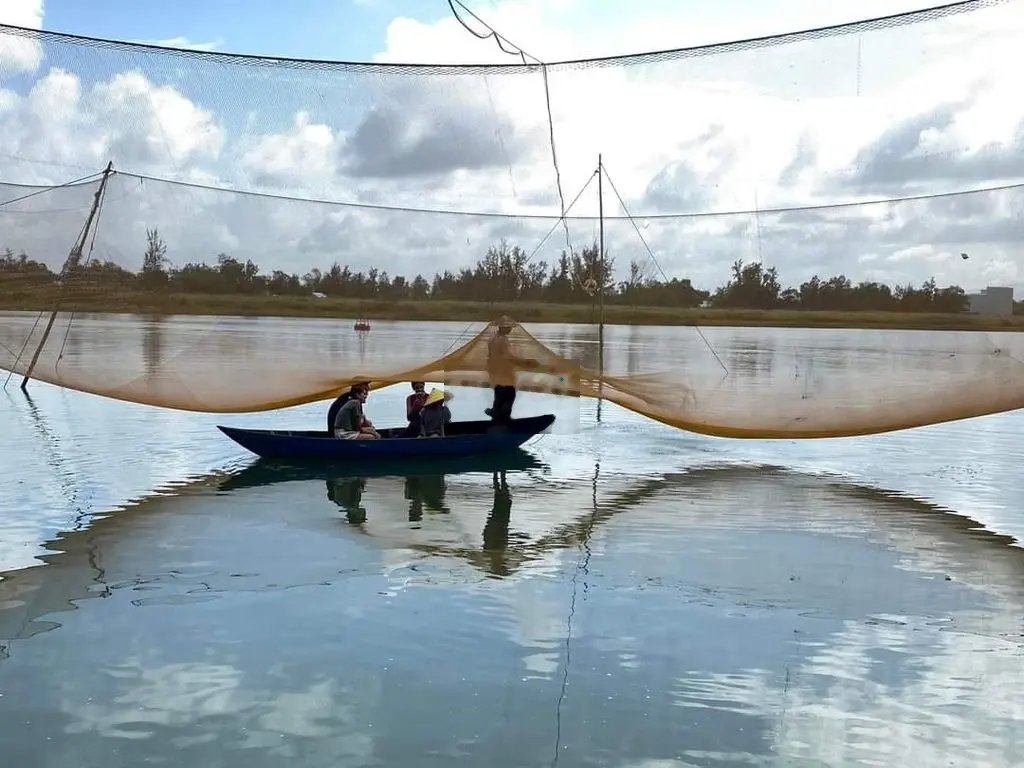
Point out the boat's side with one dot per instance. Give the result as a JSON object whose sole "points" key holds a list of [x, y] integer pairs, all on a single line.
{"points": [[463, 439]]}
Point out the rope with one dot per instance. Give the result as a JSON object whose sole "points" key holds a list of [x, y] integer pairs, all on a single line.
{"points": [[491, 33], [24, 346], [558, 217], [44, 190], [650, 253], [500, 39]]}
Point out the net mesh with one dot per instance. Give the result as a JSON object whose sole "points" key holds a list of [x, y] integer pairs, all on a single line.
{"points": [[244, 185]]}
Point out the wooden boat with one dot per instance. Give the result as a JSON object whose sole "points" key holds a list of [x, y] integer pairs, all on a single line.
{"points": [[462, 438]]}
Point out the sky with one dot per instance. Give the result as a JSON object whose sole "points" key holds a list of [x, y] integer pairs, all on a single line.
{"points": [[919, 110]]}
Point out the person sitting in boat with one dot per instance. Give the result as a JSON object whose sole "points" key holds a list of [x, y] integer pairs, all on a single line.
{"points": [[435, 414], [351, 423], [332, 412], [501, 370], [413, 403]]}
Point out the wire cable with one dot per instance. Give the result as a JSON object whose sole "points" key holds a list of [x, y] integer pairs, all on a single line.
{"points": [[44, 190], [654, 259], [555, 217]]}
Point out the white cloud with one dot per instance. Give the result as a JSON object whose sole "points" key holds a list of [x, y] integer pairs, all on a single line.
{"points": [[20, 54], [182, 694], [957, 708], [184, 42], [917, 109]]}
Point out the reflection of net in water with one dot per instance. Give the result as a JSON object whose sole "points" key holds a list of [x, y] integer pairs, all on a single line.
{"points": [[969, 711], [374, 120]]}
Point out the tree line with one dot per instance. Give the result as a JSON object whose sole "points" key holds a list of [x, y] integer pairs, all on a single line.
{"points": [[505, 273]]}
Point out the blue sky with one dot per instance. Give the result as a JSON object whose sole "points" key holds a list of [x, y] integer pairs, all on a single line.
{"points": [[355, 30], [329, 29]]}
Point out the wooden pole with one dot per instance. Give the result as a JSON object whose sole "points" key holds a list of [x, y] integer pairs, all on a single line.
{"points": [[601, 281], [73, 260]]}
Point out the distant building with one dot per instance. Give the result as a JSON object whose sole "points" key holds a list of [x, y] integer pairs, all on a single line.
{"points": [[994, 300]]}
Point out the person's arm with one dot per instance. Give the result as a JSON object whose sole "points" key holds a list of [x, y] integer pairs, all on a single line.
{"points": [[365, 425], [410, 407], [503, 349], [523, 362]]}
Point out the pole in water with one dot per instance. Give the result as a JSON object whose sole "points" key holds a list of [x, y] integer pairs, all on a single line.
{"points": [[73, 260], [600, 284]]}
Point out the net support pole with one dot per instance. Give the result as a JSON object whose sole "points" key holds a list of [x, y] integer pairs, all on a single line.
{"points": [[73, 260], [601, 283]]}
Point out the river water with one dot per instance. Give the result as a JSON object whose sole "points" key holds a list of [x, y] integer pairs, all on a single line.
{"points": [[635, 596]]}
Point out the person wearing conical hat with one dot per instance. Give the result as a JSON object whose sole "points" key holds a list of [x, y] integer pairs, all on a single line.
{"points": [[435, 415]]}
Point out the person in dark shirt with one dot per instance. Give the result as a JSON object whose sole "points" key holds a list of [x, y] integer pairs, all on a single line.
{"points": [[350, 423], [332, 412], [413, 404], [435, 415]]}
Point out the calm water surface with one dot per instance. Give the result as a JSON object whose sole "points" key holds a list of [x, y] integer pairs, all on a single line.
{"points": [[630, 595]]}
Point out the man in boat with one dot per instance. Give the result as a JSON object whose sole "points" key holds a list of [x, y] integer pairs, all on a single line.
{"points": [[501, 369], [413, 404], [332, 412], [435, 415], [351, 423]]}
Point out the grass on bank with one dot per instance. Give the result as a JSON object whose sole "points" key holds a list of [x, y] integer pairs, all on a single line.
{"points": [[303, 306]]}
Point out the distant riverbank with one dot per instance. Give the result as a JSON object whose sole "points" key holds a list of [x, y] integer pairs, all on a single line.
{"points": [[302, 306]]}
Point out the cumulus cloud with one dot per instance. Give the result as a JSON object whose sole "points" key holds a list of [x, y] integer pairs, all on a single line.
{"points": [[914, 110], [20, 54]]}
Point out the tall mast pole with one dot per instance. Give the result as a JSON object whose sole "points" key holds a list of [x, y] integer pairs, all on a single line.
{"points": [[600, 282], [72, 262]]}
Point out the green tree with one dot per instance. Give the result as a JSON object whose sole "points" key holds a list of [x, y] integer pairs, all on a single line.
{"points": [[750, 287], [154, 261]]}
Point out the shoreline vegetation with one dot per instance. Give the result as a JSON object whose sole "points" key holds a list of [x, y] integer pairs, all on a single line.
{"points": [[170, 304], [505, 281]]}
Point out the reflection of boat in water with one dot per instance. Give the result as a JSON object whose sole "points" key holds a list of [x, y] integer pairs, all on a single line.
{"points": [[128, 548], [424, 488], [462, 438], [483, 527], [427, 494], [421, 491], [267, 472]]}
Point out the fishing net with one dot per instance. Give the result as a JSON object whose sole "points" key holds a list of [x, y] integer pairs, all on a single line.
{"points": [[886, 151]]}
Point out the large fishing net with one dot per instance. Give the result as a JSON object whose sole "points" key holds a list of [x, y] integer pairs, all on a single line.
{"points": [[258, 186]]}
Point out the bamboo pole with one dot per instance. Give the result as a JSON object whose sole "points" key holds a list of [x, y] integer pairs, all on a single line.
{"points": [[73, 260]]}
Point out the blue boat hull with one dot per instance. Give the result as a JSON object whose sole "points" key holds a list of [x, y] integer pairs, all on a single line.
{"points": [[463, 438]]}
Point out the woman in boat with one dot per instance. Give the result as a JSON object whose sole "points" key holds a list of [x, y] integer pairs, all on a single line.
{"points": [[350, 422], [413, 404], [435, 415]]}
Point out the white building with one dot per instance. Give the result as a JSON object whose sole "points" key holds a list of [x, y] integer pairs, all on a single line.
{"points": [[994, 300]]}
